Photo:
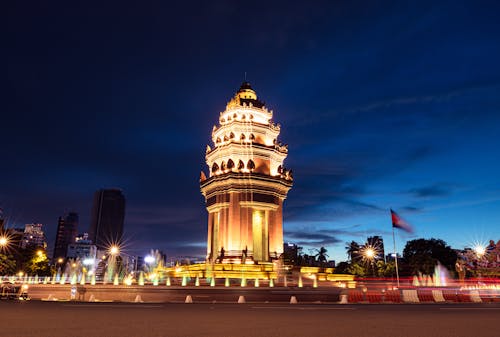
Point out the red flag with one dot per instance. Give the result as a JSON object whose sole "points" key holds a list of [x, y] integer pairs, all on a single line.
{"points": [[398, 222]]}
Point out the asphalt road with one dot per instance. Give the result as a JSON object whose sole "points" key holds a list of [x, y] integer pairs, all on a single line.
{"points": [[70, 319]]}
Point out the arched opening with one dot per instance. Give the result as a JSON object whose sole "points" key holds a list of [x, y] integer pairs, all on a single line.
{"points": [[226, 139], [223, 166], [280, 169], [251, 165], [230, 164], [252, 136], [215, 168], [218, 140], [242, 137], [241, 165], [231, 135]]}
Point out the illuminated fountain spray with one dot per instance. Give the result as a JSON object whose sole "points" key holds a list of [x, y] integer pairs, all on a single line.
{"points": [[111, 269], [441, 276]]}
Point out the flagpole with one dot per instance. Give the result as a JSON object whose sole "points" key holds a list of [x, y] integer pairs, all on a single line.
{"points": [[395, 255]]}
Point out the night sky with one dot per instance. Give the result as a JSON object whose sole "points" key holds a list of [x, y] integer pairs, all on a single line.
{"points": [[383, 105]]}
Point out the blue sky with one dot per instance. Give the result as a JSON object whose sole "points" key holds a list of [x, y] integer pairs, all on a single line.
{"points": [[386, 105]]}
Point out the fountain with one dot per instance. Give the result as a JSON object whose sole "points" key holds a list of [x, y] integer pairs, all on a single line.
{"points": [[441, 275]]}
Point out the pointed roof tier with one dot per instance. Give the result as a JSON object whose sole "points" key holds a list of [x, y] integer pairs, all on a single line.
{"points": [[245, 95]]}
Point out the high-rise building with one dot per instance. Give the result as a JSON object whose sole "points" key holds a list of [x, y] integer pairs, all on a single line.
{"points": [[33, 236], [2, 221], [83, 249], [108, 214], [290, 253], [247, 184], [67, 228]]}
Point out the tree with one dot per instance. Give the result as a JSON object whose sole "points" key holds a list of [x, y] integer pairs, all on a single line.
{"points": [[342, 268], [422, 255], [352, 250], [38, 264], [7, 265], [385, 269], [321, 256], [357, 269]]}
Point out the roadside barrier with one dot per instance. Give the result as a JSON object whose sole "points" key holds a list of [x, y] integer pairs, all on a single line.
{"points": [[374, 296], [344, 299], [410, 296], [425, 295], [489, 296], [355, 296], [393, 296], [474, 296], [437, 295], [450, 295], [464, 297]]}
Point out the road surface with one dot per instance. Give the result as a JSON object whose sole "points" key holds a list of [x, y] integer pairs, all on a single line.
{"points": [[54, 319]]}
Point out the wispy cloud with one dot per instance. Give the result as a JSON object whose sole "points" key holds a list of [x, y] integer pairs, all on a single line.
{"points": [[435, 190]]}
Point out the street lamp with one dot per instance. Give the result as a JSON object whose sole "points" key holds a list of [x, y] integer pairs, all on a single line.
{"points": [[369, 253], [114, 250], [149, 259], [4, 241], [480, 250]]}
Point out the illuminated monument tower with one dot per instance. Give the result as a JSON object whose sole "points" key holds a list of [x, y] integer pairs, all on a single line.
{"points": [[247, 184]]}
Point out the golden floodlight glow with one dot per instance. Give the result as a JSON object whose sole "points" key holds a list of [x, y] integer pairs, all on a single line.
{"points": [[370, 252], [4, 241], [246, 183], [480, 250], [114, 250]]}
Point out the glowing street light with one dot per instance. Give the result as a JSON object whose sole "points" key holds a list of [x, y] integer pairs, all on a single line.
{"points": [[114, 250], [480, 250], [4, 241], [149, 259], [369, 253]]}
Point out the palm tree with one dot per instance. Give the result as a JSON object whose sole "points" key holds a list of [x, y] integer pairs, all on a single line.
{"points": [[322, 255], [352, 250]]}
